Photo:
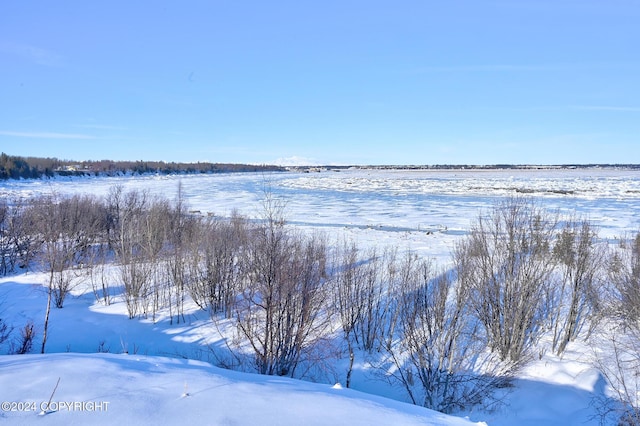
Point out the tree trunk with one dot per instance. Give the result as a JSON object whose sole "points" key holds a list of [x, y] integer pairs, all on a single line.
{"points": [[46, 315]]}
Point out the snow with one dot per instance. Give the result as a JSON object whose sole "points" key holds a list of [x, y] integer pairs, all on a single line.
{"points": [[131, 389], [157, 372], [554, 391]]}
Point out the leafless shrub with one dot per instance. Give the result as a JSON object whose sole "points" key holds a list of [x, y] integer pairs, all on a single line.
{"points": [[25, 342], [67, 228], [576, 297], [128, 210], [365, 296], [438, 355], [184, 236], [624, 273], [5, 331], [618, 360], [506, 264], [7, 251], [98, 274], [279, 311], [18, 239], [215, 263], [60, 246], [619, 356], [103, 348], [347, 283], [370, 298]]}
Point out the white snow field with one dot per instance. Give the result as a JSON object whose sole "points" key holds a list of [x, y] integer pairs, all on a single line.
{"points": [[149, 390], [157, 373]]}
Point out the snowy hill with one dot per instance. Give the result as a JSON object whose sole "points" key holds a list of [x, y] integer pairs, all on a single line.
{"points": [[131, 389], [147, 386]]}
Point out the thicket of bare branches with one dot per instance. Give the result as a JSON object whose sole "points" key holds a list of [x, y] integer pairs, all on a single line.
{"points": [[618, 354], [576, 298], [66, 228], [5, 331], [215, 263], [280, 309], [624, 272], [23, 343], [18, 241], [506, 264], [438, 355]]}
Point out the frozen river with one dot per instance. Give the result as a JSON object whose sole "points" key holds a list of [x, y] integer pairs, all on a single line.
{"points": [[426, 210]]}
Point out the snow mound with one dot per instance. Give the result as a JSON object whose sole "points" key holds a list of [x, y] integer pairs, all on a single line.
{"points": [[129, 389]]}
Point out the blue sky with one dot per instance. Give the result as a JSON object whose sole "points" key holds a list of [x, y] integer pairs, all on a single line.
{"points": [[325, 82]]}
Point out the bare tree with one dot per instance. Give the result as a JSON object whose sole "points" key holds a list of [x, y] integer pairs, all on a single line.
{"points": [[181, 232], [280, 308], [67, 227], [18, 237], [375, 299], [25, 342], [371, 298], [438, 355], [215, 263], [99, 275], [366, 288], [59, 250], [155, 227], [619, 358], [7, 251], [624, 273], [24, 233], [84, 222], [506, 262], [347, 282], [127, 213], [5, 331], [577, 298]]}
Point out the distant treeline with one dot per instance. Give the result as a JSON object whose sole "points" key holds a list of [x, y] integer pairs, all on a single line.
{"points": [[14, 167], [471, 167]]}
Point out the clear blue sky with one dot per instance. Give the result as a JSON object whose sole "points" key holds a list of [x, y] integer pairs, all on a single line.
{"points": [[329, 82]]}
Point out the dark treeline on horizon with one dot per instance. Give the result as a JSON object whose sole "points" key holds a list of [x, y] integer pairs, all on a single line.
{"points": [[16, 167]]}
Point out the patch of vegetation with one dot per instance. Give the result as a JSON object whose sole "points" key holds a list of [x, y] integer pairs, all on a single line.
{"points": [[15, 167]]}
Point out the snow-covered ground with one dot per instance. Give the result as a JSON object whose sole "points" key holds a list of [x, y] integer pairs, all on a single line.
{"points": [[426, 211], [143, 390], [113, 370]]}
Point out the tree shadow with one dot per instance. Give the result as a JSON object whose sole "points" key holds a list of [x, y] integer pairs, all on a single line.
{"points": [[84, 325]]}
